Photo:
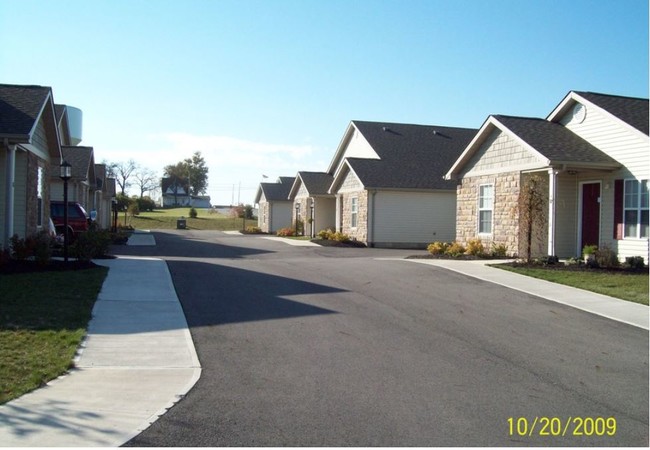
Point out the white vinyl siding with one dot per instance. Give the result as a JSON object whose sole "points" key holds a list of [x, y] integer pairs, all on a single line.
{"points": [[485, 208], [411, 219]]}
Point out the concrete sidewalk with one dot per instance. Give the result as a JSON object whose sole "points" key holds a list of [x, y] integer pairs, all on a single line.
{"points": [[137, 361], [613, 308]]}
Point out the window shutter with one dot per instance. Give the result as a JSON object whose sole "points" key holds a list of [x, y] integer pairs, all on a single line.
{"points": [[618, 209]]}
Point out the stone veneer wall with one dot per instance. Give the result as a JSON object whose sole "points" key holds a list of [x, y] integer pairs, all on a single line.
{"points": [[360, 233], [505, 217]]}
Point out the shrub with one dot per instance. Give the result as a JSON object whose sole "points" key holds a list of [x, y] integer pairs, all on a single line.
{"points": [[455, 249], [589, 250], [285, 232], [340, 237], [43, 247], [573, 262], [475, 247], [193, 213], [133, 209], [326, 234], [437, 248], [635, 262], [146, 204], [499, 250], [91, 244], [252, 229], [21, 249], [606, 257]]}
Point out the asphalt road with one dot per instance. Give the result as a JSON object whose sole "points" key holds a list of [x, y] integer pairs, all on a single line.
{"points": [[312, 346]]}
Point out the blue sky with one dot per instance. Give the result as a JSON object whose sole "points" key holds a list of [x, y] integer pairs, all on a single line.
{"points": [[269, 87]]}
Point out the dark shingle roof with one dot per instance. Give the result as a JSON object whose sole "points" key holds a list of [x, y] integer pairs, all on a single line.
{"points": [[412, 156], [631, 110], [20, 107], [554, 141], [316, 183], [277, 191], [79, 158]]}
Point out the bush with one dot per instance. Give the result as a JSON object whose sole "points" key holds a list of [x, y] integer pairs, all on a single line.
{"points": [[326, 234], [499, 250], [193, 214], [455, 249], [284, 232], [340, 237], [252, 229], [146, 204], [43, 247], [21, 249], [475, 247], [437, 248], [606, 257], [635, 262], [91, 244], [133, 209]]}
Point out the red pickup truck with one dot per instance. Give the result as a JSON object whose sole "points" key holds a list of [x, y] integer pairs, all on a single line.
{"points": [[77, 218]]}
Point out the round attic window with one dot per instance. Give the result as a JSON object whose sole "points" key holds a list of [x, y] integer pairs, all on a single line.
{"points": [[579, 113]]}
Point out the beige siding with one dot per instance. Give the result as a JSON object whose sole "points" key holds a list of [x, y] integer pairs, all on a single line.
{"points": [[412, 219], [20, 195], [325, 213], [302, 191], [566, 213], [629, 147], [350, 183], [498, 153], [358, 147]]}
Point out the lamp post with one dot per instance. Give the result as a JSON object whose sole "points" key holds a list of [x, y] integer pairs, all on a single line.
{"points": [[65, 174], [297, 212], [311, 216]]}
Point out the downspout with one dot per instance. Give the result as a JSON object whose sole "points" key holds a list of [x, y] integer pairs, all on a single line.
{"points": [[10, 172], [371, 228], [552, 193]]}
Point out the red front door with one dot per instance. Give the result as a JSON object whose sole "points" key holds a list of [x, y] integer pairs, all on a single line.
{"points": [[590, 214]]}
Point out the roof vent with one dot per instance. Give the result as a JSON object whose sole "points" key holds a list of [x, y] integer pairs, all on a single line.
{"points": [[385, 128], [435, 131]]}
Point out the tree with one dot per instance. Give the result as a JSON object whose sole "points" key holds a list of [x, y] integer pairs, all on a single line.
{"points": [[121, 171], [531, 210], [146, 180], [194, 170]]}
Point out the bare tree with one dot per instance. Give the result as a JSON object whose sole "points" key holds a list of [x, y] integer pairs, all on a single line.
{"points": [[531, 210], [146, 180], [122, 171]]}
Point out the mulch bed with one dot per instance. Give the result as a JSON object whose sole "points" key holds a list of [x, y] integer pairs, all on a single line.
{"points": [[331, 243]]}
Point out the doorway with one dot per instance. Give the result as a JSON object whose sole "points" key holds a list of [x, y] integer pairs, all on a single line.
{"points": [[590, 214]]}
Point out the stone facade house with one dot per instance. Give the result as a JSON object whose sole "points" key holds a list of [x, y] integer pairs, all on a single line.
{"points": [[30, 152], [274, 205], [312, 204], [591, 156], [388, 183]]}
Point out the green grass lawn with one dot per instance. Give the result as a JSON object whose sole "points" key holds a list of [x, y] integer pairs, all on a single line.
{"points": [[43, 318], [624, 285], [165, 219]]}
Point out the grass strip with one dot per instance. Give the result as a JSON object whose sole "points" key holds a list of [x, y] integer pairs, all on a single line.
{"points": [[629, 286], [43, 318], [165, 219]]}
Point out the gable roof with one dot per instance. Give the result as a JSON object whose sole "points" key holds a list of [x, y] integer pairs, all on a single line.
{"points": [[20, 108], [316, 183], [632, 111], [82, 161], [278, 191], [179, 182], [410, 156], [552, 143]]}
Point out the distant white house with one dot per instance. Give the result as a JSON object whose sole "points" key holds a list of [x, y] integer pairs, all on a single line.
{"points": [[175, 193]]}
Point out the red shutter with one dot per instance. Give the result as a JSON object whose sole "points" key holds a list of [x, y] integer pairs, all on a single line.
{"points": [[618, 209]]}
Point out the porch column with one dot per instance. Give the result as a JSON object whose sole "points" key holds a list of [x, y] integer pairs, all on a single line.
{"points": [[338, 213], [10, 173], [552, 192]]}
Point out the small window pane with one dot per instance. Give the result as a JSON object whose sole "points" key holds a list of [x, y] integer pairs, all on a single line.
{"points": [[631, 194], [631, 221], [644, 224], [644, 194], [485, 222]]}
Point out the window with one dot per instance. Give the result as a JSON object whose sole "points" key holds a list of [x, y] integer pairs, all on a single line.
{"points": [[354, 209], [635, 209], [485, 201]]}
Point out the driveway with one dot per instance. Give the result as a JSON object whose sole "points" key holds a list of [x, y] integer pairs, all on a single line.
{"points": [[311, 346]]}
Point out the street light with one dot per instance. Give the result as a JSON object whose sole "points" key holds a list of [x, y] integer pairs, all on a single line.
{"points": [[311, 216], [65, 174], [297, 212]]}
